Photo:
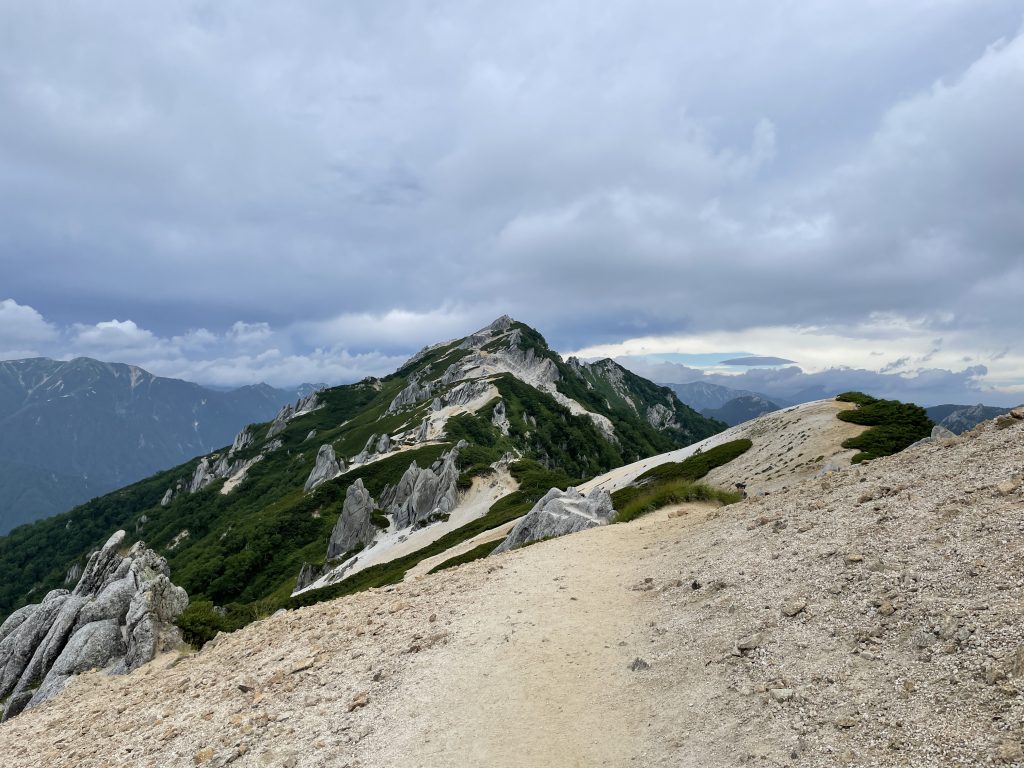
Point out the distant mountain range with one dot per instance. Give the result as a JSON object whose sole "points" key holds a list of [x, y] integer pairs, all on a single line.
{"points": [[960, 418], [741, 409], [733, 406], [73, 430]]}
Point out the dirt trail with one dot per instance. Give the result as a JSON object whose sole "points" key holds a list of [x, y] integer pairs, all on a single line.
{"points": [[538, 674], [872, 617]]}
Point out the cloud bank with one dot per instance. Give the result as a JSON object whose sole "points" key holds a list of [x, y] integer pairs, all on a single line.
{"points": [[253, 191]]}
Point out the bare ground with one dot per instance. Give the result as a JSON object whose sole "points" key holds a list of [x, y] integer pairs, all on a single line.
{"points": [[870, 618]]}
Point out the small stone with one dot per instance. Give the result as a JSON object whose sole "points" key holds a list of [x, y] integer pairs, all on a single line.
{"points": [[781, 694], [432, 618], [360, 700], [854, 558], [846, 720], [639, 665], [909, 686], [302, 665], [749, 643], [695, 585], [886, 608], [793, 606], [203, 756]]}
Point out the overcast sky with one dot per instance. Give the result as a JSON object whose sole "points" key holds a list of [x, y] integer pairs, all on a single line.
{"points": [[235, 191]]}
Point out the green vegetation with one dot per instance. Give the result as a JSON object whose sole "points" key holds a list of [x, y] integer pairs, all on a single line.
{"points": [[662, 494], [689, 470], [243, 550], [675, 482], [893, 425], [476, 553], [534, 481]]}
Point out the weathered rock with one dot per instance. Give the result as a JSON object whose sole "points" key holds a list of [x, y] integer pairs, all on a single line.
{"points": [[424, 431], [326, 467], [91, 647], [424, 493], [413, 393], [559, 513], [466, 392], [793, 606], [280, 421], [168, 497], [355, 527], [202, 477], [16, 619], [242, 440], [120, 614], [749, 642], [659, 416], [499, 417], [307, 575]]}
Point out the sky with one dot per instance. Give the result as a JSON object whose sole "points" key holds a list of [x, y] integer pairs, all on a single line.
{"points": [[232, 192]]}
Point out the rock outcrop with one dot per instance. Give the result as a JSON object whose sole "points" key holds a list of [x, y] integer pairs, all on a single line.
{"points": [[326, 467], [559, 513], [355, 526], [118, 617], [938, 433], [499, 417], [423, 494]]}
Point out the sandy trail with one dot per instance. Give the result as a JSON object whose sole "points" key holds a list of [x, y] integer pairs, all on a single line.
{"points": [[538, 675]]}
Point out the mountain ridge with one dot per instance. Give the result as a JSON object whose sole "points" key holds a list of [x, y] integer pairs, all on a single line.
{"points": [[237, 524], [71, 430]]}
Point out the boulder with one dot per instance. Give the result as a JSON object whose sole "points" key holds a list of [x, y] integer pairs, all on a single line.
{"points": [[559, 513], [91, 647], [355, 526], [120, 615], [326, 467]]}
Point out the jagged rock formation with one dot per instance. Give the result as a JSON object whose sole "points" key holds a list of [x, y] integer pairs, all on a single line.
{"points": [[423, 494], [305, 405], [499, 417], [242, 440], [355, 526], [559, 513], [326, 467], [119, 616], [221, 467]]}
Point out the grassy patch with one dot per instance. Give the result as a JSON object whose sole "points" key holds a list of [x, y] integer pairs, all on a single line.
{"points": [[893, 425], [476, 553], [689, 470], [671, 492]]}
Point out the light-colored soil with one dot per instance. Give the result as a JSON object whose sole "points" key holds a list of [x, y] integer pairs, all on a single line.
{"points": [[873, 617], [476, 502], [788, 446]]}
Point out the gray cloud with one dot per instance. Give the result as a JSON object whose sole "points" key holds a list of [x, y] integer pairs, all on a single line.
{"points": [[350, 181]]}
